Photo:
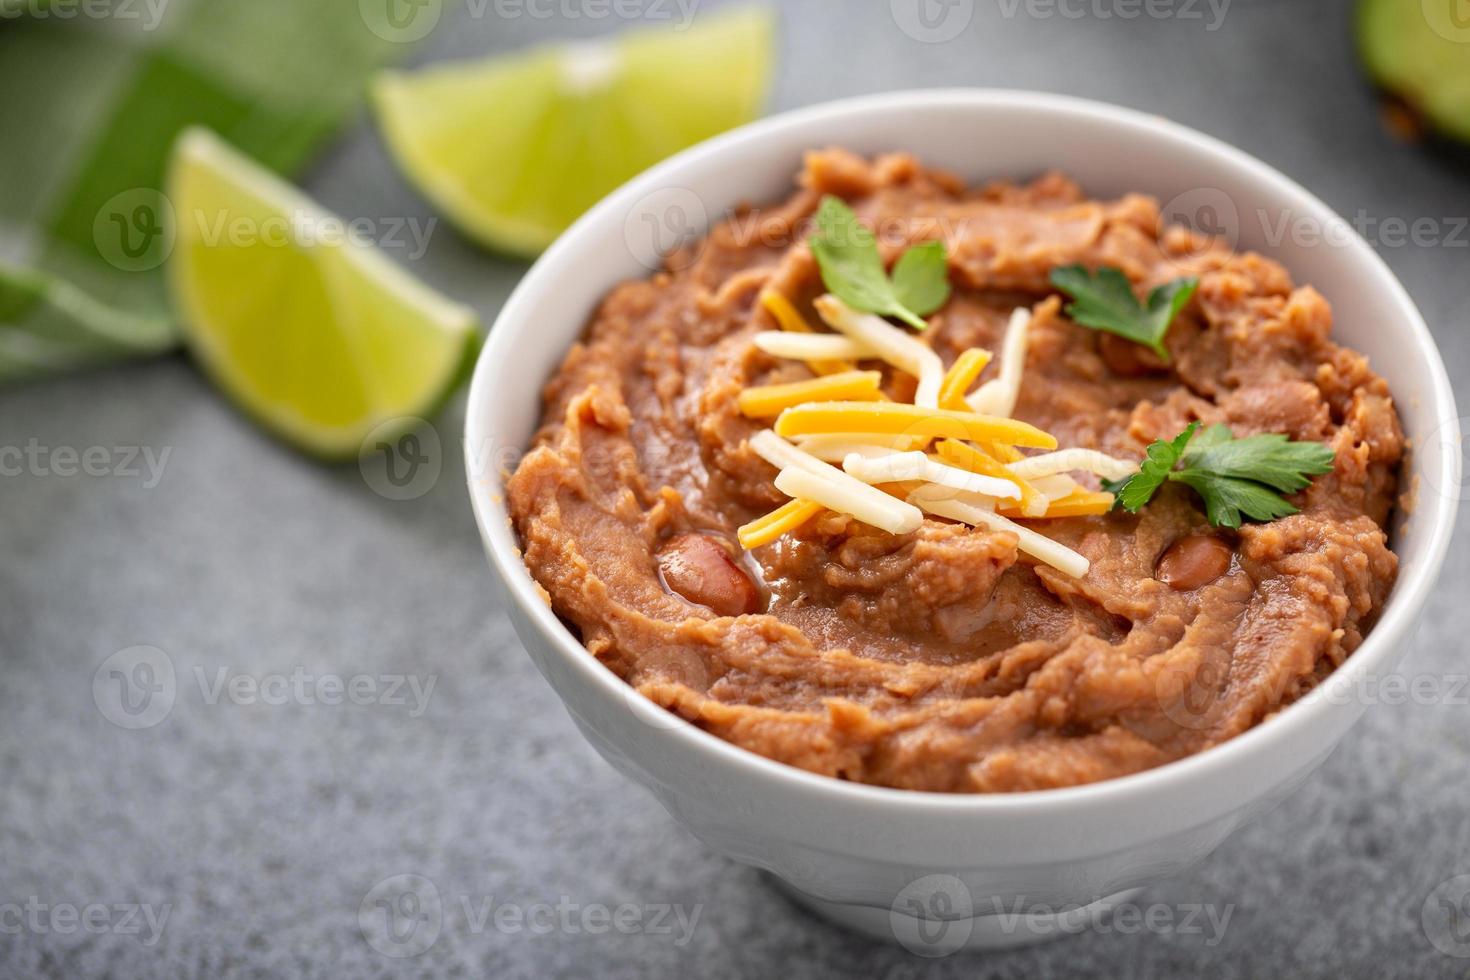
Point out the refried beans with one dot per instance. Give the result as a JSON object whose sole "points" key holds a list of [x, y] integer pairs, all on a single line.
{"points": [[944, 659]]}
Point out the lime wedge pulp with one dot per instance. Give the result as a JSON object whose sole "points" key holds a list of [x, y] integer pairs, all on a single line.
{"points": [[312, 331], [514, 149]]}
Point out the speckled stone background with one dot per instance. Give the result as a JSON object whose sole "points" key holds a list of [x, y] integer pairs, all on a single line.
{"points": [[261, 829]]}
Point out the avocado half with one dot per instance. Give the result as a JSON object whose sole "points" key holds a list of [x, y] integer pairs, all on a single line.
{"points": [[1418, 51]]}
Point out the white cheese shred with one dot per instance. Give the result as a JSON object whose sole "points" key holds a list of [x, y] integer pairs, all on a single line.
{"points": [[835, 451], [896, 346], [998, 397], [894, 467], [811, 346], [806, 470], [1055, 487], [832, 488], [803, 484], [823, 445], [1067, 460], [1038, 546]]}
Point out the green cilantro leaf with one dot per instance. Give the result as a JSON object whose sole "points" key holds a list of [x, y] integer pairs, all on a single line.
{"points": [[1272, 458], [921, 277], [1106, 302], [1159, 461], [1233, 476], [852, 269], [1227, 497]]}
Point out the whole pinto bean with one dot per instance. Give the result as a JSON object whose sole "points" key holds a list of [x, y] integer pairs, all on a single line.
{"points": [[1193, 561], [700, 569]]}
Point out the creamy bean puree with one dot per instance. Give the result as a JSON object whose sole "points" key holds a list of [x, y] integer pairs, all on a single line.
{"points": [[949, 657]]}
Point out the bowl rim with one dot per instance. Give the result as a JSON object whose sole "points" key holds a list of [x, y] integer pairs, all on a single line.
{"points": [[1406, 600]]}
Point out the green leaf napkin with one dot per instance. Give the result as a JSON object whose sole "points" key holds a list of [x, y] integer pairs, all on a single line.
{"points": [[91, 97]]}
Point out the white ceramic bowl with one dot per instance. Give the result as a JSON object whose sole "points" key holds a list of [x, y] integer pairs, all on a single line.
{"points": [[870, 856]]}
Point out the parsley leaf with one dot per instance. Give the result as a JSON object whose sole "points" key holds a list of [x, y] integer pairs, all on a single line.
{"points": [[852, 269], [1272, 458], [1158, 463], [921, 277], [1106, 302], [1227, 497], [1235, 477]]}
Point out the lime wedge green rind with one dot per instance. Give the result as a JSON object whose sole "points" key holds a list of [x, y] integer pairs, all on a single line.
{"points": [[320, 343], [515, 148]]}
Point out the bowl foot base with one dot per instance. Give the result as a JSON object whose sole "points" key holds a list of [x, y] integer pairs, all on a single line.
{"points": [[1009, 927]]}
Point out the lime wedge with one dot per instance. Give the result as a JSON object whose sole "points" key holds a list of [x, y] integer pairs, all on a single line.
{"points": [[513, 149], [311, 331], [1420, 52]]}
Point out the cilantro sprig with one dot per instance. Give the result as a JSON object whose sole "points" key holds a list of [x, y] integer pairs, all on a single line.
{"points": [[1234, 477], [852, 270], [1105, 301]]}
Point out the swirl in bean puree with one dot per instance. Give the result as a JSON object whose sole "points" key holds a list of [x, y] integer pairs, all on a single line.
{"points": [[946, 659]]}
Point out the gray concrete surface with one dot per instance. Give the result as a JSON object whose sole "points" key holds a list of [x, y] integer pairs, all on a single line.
{"points": [[260, 830]]}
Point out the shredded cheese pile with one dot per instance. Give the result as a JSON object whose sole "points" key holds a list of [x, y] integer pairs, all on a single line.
{"points": [[838, 443]]}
